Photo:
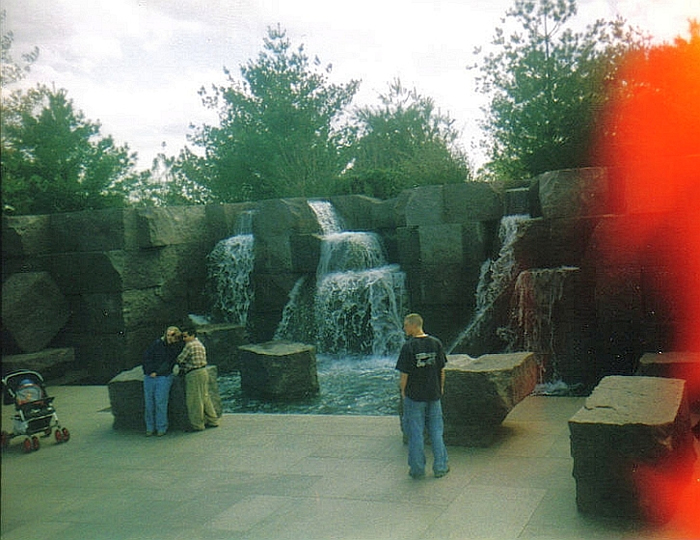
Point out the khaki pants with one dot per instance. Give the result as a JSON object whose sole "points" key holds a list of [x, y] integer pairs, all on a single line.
{"points": [[199, 406]]}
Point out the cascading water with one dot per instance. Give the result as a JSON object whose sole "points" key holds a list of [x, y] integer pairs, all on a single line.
{"points": [[230, 265], [533, 325], [496, 278], [358, 300]]}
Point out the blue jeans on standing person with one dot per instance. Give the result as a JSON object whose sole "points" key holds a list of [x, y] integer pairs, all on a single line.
{"points": [[156, 391], [419, 416]]}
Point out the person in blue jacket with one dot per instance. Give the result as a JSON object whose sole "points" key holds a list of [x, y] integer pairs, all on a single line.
{"points": [[158, 362]]}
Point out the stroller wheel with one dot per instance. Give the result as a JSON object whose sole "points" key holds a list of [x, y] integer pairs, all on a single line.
{"points": [[59, 436], [27, 445], [4, 439], [35, 443], [66, 434]]}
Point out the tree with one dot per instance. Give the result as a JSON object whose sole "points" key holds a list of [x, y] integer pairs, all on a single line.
{"points": [[55, 160], [167, 183], [402, 143], [11, 71], [547, 84], [279, 130]]}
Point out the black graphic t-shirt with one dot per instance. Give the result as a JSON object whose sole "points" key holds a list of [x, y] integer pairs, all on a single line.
{"points": [[422, 359]]}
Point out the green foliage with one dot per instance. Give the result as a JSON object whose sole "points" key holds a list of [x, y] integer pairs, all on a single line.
{"points": [[54, 160], [402, 143], [11, 71], [547, 85], [167, 183], [280, 133]]}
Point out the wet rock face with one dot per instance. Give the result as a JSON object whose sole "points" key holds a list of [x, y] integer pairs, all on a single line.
{"points": [[127, 403], [33, 309], [630, 432], [279, 370], [480, 392]]}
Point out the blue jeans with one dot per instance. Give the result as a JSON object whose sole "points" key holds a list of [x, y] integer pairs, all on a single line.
{"points": [[156, 391], [417, 417]]}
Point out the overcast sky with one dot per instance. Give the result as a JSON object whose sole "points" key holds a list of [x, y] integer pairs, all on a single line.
{"points": [[136, 65]]}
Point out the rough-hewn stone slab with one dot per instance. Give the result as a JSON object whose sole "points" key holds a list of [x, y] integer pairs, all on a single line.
{"points": [[575, 192], [465, 202], [127, 404], [33, 309], [279, 370], [675, 365], [425, 206], [480, 392], [167, 226], [50, 363], [630, 430], [24, 236]]}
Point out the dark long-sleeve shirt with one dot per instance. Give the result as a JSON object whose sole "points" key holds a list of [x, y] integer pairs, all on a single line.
{"points": [[160, 357]]}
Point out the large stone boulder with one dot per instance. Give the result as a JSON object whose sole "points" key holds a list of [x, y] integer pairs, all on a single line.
{"points": [[33, 309], [279, 370], [575, 193], [127, 404], [480, 392], [632, 447]]}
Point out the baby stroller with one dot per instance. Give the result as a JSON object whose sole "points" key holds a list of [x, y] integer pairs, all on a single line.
{"points": [[35, 413]]}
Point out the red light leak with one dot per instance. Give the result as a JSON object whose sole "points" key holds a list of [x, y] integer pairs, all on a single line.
{"points": [[651, 141]]}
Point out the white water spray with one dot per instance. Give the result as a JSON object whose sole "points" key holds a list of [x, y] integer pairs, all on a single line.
{"points": [[495, 278], [359, 299], [230, 266]]}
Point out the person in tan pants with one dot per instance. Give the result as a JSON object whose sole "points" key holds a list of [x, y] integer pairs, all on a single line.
{"points": [[193, 361]]}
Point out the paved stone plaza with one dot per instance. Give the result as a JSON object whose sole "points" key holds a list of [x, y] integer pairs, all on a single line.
{"points": [[296, 477]]}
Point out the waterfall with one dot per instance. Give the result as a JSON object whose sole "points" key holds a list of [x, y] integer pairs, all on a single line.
{"points": [[328, 219], [230, 265], [532, 325], [358, 302], [495, 279]]}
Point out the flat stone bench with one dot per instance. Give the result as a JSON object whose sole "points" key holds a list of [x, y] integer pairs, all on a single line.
{"points": [[632, 447], [279, 370], [480, 392], [676, 365], [127, 403]]}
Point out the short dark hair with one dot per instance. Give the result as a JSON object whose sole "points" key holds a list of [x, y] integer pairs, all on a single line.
{"points": [[190, 331]]}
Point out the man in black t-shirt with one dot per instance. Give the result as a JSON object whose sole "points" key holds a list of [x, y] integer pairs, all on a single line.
{"points": [[421, 363]]}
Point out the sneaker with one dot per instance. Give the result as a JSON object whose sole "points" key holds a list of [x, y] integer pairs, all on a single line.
{"points": [[440, 474], [416, 476], [211, 426], [160, 433], [149, 433]]}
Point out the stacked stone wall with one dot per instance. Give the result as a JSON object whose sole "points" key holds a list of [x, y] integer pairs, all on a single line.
{"points": [[128, 273]]}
